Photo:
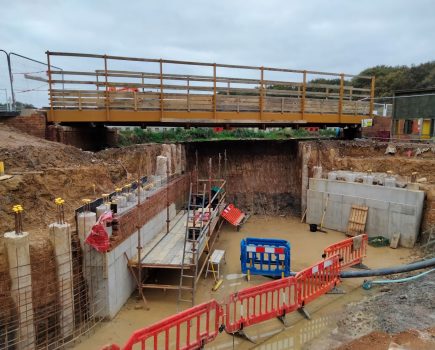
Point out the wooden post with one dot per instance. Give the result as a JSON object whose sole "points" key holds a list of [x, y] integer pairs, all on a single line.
{"points": [[49, 82], [304, 91], [107, 88], [188, 94], [161, 89], [214, 91], [340, 101], [372, 96], [261, 101], [143, 83]]}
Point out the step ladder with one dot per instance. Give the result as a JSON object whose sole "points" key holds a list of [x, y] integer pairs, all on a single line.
{"points": [[189, 263]]}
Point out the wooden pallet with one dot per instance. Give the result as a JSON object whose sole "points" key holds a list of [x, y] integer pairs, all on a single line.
{"points": [[357, 220]]}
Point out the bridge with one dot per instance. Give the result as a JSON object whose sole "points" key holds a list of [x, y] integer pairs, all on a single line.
{"points": [[142, 91]]}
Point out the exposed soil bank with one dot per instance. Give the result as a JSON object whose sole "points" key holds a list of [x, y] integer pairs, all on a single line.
{"points": [[263, 176]]}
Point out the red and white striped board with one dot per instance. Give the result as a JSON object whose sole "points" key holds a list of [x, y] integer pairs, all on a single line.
{"points": [[265, 249]]}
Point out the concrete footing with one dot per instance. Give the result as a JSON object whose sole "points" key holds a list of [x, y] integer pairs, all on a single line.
{"points": [[17, 247], [60, 237]]}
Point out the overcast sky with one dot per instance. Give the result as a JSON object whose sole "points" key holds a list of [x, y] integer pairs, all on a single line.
{"points": [[329, 35]]}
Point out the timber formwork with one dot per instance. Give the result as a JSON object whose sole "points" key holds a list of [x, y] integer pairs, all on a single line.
{"points": [[169, 92]]}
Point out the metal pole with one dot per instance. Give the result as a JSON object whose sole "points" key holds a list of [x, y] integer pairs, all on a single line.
{"points": [[11, 78], [167, 195]]}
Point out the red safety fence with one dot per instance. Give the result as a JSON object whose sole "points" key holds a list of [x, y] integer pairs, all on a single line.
{"points": [[194, 327], [260, 303], [233, 215], [351, 251], [189, 329], [317, 280]]}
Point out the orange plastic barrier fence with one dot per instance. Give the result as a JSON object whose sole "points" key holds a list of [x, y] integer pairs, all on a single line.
{"points": [[189, 329], [194, 327], [317, 280], [351, 251], [260, 303]]}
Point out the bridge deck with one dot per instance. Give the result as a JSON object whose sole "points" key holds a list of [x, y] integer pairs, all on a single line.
{"points": [[222, 94]]}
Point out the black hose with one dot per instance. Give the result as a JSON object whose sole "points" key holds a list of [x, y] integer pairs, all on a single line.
{"points": [[389, 270], [385, 271]]}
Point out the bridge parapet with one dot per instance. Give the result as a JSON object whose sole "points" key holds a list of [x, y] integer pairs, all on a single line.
{"points": [[166, 91]]}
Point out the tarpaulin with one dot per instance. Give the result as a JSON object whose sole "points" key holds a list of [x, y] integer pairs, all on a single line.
{"points": [[98, 238]]}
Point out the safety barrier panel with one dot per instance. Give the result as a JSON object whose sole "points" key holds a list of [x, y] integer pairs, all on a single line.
{"points": [[265, 256], [260, 303], [189, 329], [351, 251], [317, 279], [194, 327], [233, 215]]}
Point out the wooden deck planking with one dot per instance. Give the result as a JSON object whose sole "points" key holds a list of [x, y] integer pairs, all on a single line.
{"points": [[166, 248]]}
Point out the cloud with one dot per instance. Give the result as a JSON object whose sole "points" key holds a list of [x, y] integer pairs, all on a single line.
{"points": [[334, 35]]}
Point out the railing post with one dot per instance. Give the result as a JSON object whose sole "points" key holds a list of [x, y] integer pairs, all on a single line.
{"points": [[340, 101], [107, 88], [372, 96], [304, 91], [161, 89], [188, 93], [261, 101], [214, 91], [49, 83]]}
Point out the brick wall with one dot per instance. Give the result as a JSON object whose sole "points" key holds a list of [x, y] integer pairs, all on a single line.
{"points": [[128, 222], [380, 129], [87, 138], [32, 123]]}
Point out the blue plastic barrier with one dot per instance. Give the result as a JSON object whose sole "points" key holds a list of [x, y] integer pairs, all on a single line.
{"points": [[265, 256]]}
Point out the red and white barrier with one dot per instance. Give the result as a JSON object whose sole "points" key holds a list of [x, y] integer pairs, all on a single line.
{"points": [[351, 251], [261, 249]]}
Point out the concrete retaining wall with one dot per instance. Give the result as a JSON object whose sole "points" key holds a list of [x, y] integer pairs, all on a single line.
{"points": [[119, 281], [391, 210]]}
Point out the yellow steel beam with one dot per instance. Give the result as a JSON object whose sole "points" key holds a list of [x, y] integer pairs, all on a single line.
{"points": [[212, 117]]}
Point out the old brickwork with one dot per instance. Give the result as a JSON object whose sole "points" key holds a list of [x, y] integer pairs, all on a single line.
{"points": [[137, 217], [33, 124]]}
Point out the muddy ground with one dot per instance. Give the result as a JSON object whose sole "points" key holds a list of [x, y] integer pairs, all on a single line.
{"points": [[335, 318]]}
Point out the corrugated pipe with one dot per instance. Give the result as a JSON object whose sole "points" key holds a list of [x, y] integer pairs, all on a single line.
{"points": [[368, 284]]}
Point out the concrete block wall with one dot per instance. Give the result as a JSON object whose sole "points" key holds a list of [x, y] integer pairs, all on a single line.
{"points": [[391, 210]]}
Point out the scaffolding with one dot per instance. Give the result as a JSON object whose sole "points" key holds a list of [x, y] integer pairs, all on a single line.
{"points": [[185, 245]]}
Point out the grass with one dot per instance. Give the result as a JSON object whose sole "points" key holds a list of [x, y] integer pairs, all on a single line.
{"points": [[137, 135]]}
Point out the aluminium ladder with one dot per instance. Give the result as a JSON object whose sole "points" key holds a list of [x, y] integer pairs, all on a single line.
{"points": [[190, 249]]}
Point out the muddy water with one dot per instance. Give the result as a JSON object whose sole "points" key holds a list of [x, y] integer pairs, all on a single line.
{"points": [[306, 249]]}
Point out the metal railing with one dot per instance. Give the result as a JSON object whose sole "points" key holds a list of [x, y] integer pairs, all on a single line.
{"points": [[223, 88]]}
